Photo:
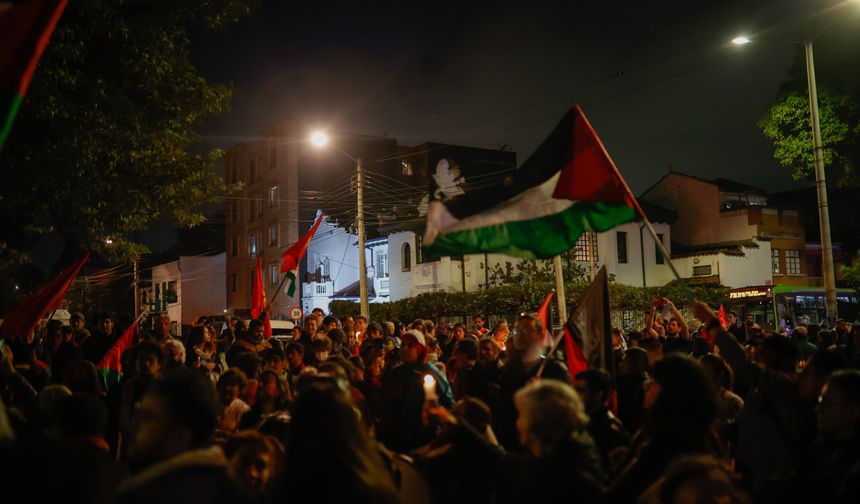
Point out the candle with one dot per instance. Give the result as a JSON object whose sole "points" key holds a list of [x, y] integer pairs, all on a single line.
{"points": [[430, 388]]}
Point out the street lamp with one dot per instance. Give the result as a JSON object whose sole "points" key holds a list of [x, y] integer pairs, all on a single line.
{"points": [[828, 271], [320, 139]]}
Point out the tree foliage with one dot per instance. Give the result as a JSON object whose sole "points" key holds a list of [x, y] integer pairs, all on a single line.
{"points": [[851, 275], [101, 146], [787, 124]]}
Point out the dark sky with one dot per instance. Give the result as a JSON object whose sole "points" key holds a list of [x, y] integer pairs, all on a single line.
{"points": [[658, 80]]}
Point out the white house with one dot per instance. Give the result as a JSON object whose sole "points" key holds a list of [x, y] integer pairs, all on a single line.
{"points": [[332, 268], [189, 287]]}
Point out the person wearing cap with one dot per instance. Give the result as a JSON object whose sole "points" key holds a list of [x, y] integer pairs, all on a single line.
{"points": [[79, 323], [402, 397]]}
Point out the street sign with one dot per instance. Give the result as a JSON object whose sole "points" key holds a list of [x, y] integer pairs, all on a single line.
{"points": [[295, 313]]}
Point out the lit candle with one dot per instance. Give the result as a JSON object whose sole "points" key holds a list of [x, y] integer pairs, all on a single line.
{"points": [[430, 388]]}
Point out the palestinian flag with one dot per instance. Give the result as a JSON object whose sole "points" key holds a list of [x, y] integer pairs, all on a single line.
{"points": [[568, 186], [588, 331], [110, 366], [293, 256], [543, 315], [25, 28]]}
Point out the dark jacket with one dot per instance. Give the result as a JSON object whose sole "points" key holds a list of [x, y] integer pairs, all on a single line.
{"points": [[608, 433], [514, 376], [570, 473], [195, 476], [401, 425]]}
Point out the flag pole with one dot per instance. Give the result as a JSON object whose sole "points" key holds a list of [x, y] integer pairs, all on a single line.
{"points": [[559, 290], [636, 207], [280, 288]]}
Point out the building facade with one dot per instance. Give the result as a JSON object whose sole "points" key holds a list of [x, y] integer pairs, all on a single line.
{"points": [[730, 226], [188, 288]]}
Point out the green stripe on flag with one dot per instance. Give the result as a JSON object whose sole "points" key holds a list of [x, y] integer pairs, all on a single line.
{"points": [[109, 377], [14, 104], [291, 289], [541, 238]]}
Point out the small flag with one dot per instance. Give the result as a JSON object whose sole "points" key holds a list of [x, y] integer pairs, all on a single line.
{"points": [[293, 256], [110, 366], [721, 314], [568, 186], [25, 28], [543, 315], [588, 332], [258, 299], [24, 316]]}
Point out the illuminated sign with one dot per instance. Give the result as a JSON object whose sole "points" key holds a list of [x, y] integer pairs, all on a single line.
{"points": [[749, 293]]}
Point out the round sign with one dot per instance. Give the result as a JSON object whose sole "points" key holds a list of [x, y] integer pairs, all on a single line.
{"points": [[295, 313]]}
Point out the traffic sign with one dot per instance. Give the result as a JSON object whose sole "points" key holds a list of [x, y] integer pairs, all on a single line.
{"points": [[296, 313]]}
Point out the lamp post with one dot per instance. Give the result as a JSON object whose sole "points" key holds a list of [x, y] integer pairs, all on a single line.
{"points": [[320, 139], [827, 268]]}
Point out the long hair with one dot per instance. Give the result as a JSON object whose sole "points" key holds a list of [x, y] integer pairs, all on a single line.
{"points": [[687, 404], [325, 439]]}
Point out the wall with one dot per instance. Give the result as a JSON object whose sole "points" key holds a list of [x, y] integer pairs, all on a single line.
{"points": [[201, 288], [631, 272], [751, 269]]}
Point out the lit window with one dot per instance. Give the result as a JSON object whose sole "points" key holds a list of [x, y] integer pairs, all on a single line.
{"points": [[381, 265], [585, 248], [406, 167], [252, 246], [274, 196], [774, 261], [792, 262], [274, 272], [702, 270]]}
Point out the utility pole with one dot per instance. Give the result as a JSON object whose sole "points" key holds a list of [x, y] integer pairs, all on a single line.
{"points": [[136, 282], [827, 269], [559, 290], [362, 267]]}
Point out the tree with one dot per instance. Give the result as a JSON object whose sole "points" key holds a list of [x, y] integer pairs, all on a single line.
{"points": [[787, 124], [535, 270], [101, 146], [851, 274]]}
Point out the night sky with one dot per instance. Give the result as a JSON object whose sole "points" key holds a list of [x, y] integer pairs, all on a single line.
{"points": [[659, 80]]}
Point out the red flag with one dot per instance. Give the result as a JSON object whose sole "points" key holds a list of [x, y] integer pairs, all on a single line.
{"points": [[721, 314], [25, 28], [543, 315], [258, 299], [110, 366], [576, 362], [24, 316], [588, 331], [294, 254]]}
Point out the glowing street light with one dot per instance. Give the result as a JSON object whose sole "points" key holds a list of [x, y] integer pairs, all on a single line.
{"points": [[741, 40], [319, 139]]}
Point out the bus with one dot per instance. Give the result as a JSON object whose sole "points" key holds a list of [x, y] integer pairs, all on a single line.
{"points": [[784, 306]]}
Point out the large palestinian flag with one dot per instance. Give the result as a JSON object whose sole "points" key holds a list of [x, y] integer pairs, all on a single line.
{"points": [[565, 188]]}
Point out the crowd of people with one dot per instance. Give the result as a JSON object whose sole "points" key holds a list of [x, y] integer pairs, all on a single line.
{"points": [[351, 410]]}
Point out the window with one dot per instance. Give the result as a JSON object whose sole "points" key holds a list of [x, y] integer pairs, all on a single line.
{"points": [[170, 294], [792, 262], [381, 265], [406, 168], [419, 254], [621, 240], [256, 207], [234, 280], [273, 235], [320, 289], [274, 273], [274, 196], [273, 156], [232, 212], [405, 257], [702, 270], [326, 268], [252, 172], [252, 246], [585, 248], [774, 261], [234, 246]]}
